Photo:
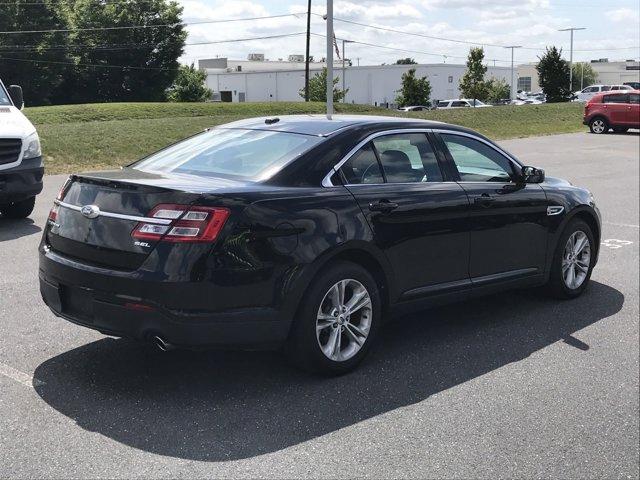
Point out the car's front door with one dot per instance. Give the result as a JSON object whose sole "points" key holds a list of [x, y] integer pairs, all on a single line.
{"points": [[508, 219], [417, 219]]}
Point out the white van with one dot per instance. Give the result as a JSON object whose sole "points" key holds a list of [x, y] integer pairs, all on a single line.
{"points": [[21, 165]]}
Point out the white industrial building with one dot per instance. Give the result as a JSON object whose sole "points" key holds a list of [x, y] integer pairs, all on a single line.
{"points": [[609, 73], [276, 81]]}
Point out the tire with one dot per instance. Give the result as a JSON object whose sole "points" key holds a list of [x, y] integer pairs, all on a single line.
{"points": [[306, 348], [599, 125], [620, 129], [560, 284], [20, 209]]}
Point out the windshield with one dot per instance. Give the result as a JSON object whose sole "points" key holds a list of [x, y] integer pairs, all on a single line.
{"points": [[4, 98], [232, 153], [476, 102]]}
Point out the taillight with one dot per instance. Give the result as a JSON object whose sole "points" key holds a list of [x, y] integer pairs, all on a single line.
{"points": [[53, 213], [190, 224]]}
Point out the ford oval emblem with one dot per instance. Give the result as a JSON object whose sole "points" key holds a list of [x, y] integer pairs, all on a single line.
{"points": [[90, 211]]}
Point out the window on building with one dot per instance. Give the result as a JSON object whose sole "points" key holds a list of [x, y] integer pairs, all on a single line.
{"points": [[524, 84]]}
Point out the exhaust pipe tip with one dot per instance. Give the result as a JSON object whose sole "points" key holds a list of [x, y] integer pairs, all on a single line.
{"points": [[162, 344]]}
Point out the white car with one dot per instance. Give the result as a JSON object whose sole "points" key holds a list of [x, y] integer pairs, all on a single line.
{"points": [[414, 108], [21, 166], [459, 103], [591, 91]]}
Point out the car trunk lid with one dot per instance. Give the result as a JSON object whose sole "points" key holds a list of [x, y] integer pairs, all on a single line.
{"points": [[97, 214]]}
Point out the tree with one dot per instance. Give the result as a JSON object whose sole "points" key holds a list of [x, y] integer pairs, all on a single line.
{"points": [[406, 61], [189, 86], [36, 61], [497, 89], [318, 88], [137, 64], [583, 76], [414, 91], [553, 75], [472, 84]]}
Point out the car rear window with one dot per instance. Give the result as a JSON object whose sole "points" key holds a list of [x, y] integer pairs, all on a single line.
{"points": [[619, 98], [234, 153]]}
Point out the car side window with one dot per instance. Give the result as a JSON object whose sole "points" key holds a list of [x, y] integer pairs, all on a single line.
{"points": [[476, 161], [407, 158], [619, 98], [443, 104], [459, 104], [605, 89], [362, 167], [634, 98]]}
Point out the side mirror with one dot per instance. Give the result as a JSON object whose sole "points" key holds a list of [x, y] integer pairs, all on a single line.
{"points": [[532, 175], [15, 92]]}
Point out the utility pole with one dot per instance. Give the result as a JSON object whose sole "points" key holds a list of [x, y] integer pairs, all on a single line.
{"points": [[344, 71], [329, 59], [571, 29], [306, 62], [513, 72]]}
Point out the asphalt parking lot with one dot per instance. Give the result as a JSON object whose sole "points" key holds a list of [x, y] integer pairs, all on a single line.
{"points": [[515, 385]]}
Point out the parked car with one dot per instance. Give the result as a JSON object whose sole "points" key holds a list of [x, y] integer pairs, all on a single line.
{"points": [[633, 85], [589, 92], [414, 108], [459, 103], [21, 167], [619, 111], [305, 232]]}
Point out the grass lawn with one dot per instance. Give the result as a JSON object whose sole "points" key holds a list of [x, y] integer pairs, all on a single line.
{"points": [[99, 136]]}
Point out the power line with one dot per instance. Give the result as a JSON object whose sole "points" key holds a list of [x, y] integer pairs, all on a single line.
{"points": [[441, 55], [21, 48], [481, 44], [122, 67], [129, 27]]}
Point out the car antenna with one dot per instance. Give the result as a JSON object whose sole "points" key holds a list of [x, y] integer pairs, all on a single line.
{"points": [[271, 121]]}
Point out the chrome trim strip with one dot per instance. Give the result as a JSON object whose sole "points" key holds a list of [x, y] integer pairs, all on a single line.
{"points": [[326, 181], [132, 218], [555, 210]]}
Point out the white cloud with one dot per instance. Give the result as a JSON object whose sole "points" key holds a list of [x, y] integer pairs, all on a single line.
{"points": [[532, 23], [625, 15]]}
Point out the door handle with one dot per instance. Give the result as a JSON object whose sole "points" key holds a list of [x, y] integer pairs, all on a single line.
{"points": [[485, 200], [384, 206]]}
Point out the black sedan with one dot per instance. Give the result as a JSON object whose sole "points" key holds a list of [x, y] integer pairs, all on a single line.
{"points": [[305, 233]]}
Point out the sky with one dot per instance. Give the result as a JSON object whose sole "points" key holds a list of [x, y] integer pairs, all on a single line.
{"points": [[612, 29]]}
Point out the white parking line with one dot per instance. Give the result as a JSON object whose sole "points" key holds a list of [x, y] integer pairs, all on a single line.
{"points": [[622, 224], [20, 377]]}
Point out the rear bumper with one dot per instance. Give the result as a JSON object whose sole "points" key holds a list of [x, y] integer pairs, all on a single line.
{"points": [[109, 305], [21, 182]]}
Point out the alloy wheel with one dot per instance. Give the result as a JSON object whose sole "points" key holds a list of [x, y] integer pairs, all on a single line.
{"points": [[598, 126], [344, 319], [576, 260]]}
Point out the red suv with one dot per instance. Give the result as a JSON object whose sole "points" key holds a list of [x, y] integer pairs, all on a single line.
{"points": [[618, 110]]}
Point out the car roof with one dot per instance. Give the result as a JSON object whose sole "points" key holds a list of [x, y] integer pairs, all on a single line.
{"points": [[319, 125]]}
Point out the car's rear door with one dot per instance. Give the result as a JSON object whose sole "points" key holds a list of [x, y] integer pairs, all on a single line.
{"points": [[508, 220], [615, 106], [633, 111], [418, 219]]}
